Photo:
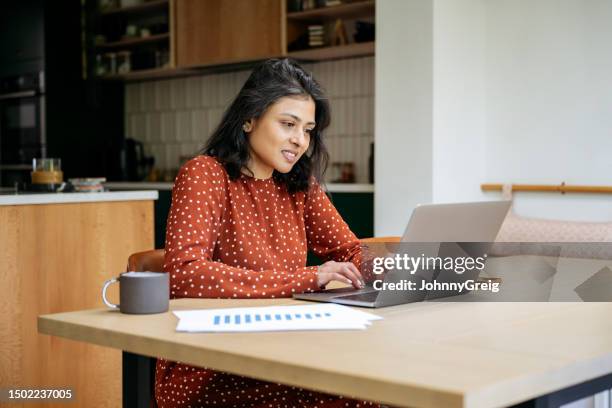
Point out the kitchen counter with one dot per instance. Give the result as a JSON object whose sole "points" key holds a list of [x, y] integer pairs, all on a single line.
{"points": [[60, 198], [148, 185], [57, 251]]}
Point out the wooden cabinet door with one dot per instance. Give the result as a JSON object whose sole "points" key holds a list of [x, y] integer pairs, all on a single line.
{"points": [[224, 31], [55, 258]]}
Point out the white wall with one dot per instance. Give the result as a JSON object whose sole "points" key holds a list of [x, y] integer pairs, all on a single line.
{"points": [[521, 92], [549, 99], [459, 100], [403, 111]]}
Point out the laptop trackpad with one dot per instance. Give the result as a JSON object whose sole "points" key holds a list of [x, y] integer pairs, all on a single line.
{"points": [[346, 290]]}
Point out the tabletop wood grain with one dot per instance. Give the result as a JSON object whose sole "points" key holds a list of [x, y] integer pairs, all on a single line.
{"points": [[426, 354]]}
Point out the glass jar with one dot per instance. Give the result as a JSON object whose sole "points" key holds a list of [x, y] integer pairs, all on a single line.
{"points": [[47, 171], [109, 60], [124, 62]]}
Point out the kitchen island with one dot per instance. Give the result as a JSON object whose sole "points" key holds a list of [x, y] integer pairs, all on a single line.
{"points": [[58, 249]]}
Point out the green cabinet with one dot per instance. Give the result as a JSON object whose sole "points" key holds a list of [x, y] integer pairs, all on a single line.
{"points": [[357, 209]]}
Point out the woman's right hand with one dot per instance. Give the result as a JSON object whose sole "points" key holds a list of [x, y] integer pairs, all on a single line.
{"points": [[345, 272]]}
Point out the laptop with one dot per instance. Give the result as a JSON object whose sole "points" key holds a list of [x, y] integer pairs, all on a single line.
{"points": [[443, 230]]}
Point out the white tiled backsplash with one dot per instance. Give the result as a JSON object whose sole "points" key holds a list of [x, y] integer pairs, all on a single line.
{"points": [[175, 117]]}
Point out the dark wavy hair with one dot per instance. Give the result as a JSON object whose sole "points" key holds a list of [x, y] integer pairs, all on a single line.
{"points": [[270, 81]]}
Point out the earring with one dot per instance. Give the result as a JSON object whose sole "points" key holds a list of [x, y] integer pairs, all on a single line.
{"points": [[245, 127]]}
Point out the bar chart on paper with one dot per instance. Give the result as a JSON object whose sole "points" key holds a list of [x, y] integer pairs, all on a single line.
{"points": [[247, 318], [274, 318]]}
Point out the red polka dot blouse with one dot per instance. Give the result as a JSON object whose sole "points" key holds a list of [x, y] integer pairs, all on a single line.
{"points": [[244, 238]]}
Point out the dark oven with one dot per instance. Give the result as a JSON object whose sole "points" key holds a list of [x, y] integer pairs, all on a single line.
{"points": [[22, 126]]}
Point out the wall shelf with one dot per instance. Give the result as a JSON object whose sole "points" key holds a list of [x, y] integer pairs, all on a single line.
{"points": [[169, 72], [297, 31], [149, 57], [349, 10], [139, 8], [293, 24], [130, 42], [147, 74], [335, 52]]}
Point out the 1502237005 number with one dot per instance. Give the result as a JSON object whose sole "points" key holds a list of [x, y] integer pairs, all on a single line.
{"points": [[37, 394]]}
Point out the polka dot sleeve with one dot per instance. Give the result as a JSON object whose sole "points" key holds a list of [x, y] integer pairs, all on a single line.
{"points": [[329, 237], [195, 222]]}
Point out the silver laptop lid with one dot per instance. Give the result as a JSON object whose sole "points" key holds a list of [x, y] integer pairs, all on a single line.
{"points": [[456, 222]]}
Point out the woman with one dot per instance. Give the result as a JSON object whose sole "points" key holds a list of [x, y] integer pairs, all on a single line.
{"points": [[242, 218]]}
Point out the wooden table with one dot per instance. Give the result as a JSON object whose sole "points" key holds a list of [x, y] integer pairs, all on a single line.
{"points": [[429, 354]]}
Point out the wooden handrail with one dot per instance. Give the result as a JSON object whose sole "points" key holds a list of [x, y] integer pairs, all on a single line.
{"points": [[561, 188]]}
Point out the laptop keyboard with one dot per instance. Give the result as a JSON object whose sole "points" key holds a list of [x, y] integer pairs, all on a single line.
{"points": [[362, 297]]}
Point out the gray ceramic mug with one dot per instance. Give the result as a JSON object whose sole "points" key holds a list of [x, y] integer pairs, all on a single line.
{"points": [[140, 292]]}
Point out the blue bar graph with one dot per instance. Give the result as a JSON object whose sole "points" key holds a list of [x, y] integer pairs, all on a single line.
{"points": [[272, 318], [247, 318]]}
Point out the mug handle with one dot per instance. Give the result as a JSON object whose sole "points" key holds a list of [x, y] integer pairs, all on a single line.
{"points": [[106, 285]]}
